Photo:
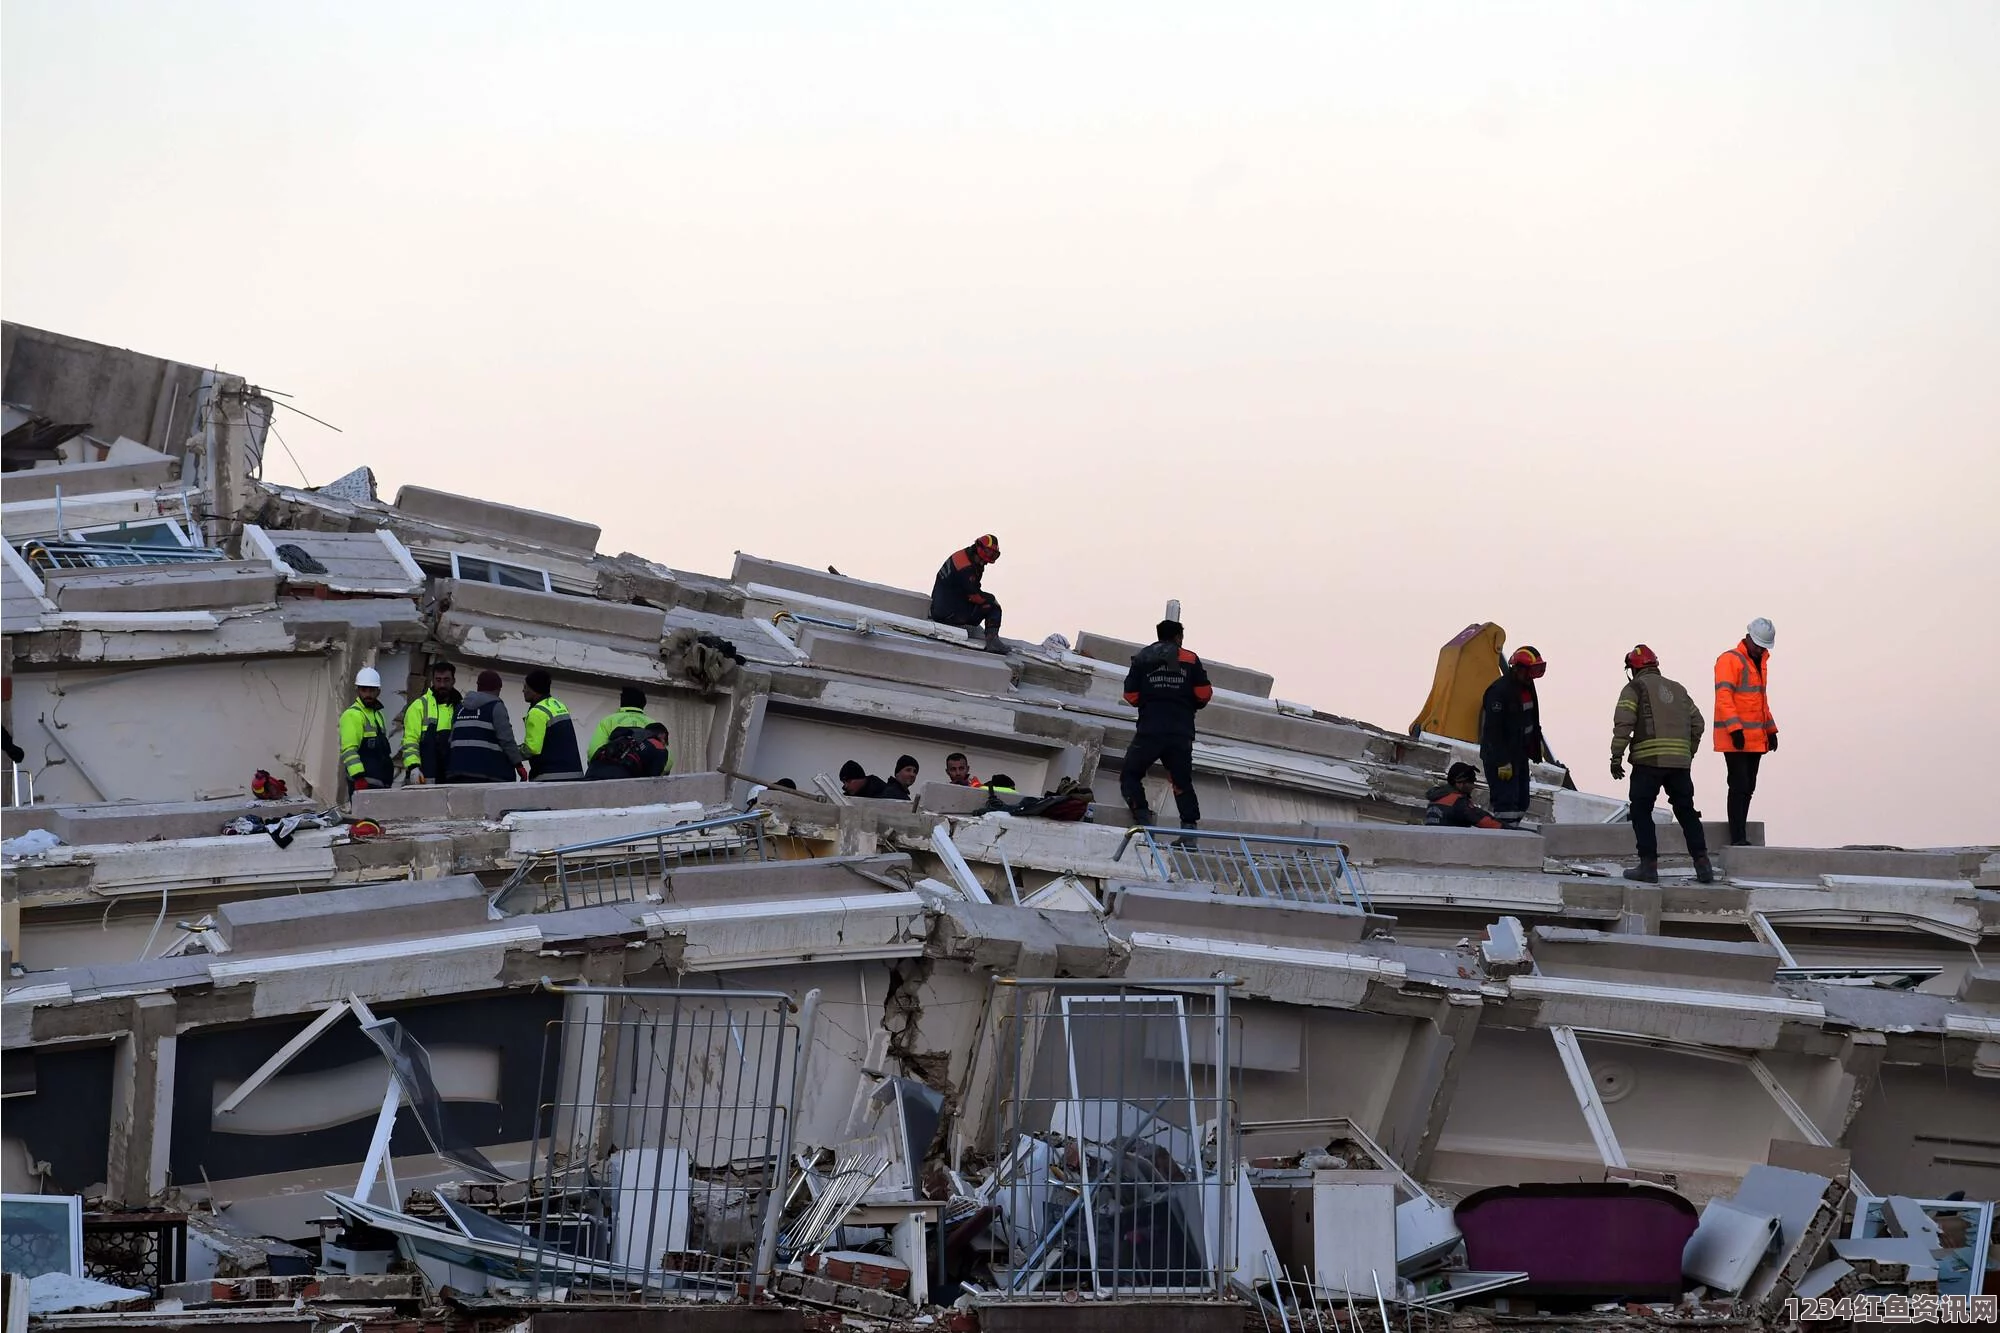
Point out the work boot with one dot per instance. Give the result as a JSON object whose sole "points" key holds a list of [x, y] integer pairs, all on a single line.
{"points": [[1141, 816], [994, 644], [1704, 870], [1646, 872], [1187, 838], [1739, 842]]}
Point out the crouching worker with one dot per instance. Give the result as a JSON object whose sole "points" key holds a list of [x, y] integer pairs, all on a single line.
{"points": [[1451, 805], [632, 752]]}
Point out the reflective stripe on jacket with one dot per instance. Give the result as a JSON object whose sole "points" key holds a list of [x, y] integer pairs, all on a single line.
{"points": [[364, 744], [624, 717], [424, 713], [1741, 702], [548, 738], [1658, 719]]}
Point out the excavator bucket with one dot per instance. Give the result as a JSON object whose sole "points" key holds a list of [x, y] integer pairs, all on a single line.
{"points": [[1465, 667]]}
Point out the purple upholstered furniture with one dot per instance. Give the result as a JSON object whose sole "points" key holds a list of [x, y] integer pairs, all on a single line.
{"points": [[1614, 1239]]}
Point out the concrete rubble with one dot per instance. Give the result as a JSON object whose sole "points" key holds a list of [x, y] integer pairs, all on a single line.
{"points": [[727, 1047]]}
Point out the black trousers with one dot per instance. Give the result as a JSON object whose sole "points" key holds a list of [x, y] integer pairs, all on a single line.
{"points": [[967, 617], [1742, 766], [1177, 752], [1510, 798], [1678, 783]]}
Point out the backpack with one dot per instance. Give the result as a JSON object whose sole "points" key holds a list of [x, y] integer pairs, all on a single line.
{"points": [[1068, 802], [625, 747]]}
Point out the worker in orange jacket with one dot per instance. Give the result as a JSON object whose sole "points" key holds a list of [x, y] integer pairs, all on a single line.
{"points": [[1745, 731]]}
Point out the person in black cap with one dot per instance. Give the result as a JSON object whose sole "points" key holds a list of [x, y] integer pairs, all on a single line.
{"points": [[858, 781], [903, 781], [1451, 805]]}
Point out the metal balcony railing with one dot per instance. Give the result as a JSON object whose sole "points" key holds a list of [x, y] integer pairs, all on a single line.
{"points": [[1299, 870], [48, 555], [625, 869]]}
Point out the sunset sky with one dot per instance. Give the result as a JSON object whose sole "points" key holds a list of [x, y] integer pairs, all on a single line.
{"points": [[1346, 324]]}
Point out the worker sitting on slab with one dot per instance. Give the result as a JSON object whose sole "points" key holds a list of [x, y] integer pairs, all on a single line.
{"points": [[483, 748], [903, 781], [1510, 734], [364, 736], [548, 733], [1168, 685], [958, 770], [1745, 731], [858, 781], [958, 599], [1658, 719], [1451, 804], [427, 727]]}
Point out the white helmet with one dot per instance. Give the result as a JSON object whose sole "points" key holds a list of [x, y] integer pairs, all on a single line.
{"points": [[368, 677], [1763, 633]]}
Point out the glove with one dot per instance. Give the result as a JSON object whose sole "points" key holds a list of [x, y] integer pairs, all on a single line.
{"points": [[522, 769], [360, 784], [1618, 770], [1771, 743], [1506, 772], [413, 776], [1736, 738]]}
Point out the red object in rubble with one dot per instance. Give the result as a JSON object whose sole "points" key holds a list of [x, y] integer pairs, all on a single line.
{"points": [[267, 788]]}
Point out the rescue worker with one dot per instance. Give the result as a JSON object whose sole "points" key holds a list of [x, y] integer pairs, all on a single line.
{"points": [[859, 782], [548, 733], [482, 738], [1660, 722], [1510, 734], [958, 770], [903, 780], [632, 752], [631, 713], [1745, 731], [957, 598], [427, 728], [1000, 782], [1168, 685], [364, 736], [1451, 804]]}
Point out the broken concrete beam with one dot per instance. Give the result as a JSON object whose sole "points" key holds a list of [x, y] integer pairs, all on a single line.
{"points": [[1505, 947], [1810, 863], [1748, 968], [1980, 985], [1192, 910], [995, 938], [571, 617], [916, 661], [183, 587], [83, 825], [492, 800], [530, 526], [1589, 842], [77, 479], [832, 587], [546, 830], [944, 798], [1118, 652], [1418, 844], [344, 916]]}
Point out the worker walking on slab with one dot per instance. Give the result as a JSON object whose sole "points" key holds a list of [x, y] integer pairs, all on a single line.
{"points": [[1658, 720], [548, 733], [364, 736], [1451, 805], [1745, 731], [1168, 685], [1510, 734], [427, 727], [482, 738], [957, 597]]}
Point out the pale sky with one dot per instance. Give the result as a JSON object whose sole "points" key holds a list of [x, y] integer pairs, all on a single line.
{"points": [[1347, 324]]}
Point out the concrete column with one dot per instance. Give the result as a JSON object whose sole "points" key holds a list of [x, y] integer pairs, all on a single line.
{"points": [[1421, 1097], [991, 1072], [142, 1103], [1861, 1056]]}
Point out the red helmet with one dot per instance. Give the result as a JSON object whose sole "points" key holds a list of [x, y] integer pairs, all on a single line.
{"points": [[1640, 658], [1530, 661]]}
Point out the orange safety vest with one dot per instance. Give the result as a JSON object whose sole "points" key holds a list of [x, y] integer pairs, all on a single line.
{"points": [[1741, 703]]}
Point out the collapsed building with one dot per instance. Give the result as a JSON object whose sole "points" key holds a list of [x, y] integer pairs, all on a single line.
{"points": [[702, 1036]]}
